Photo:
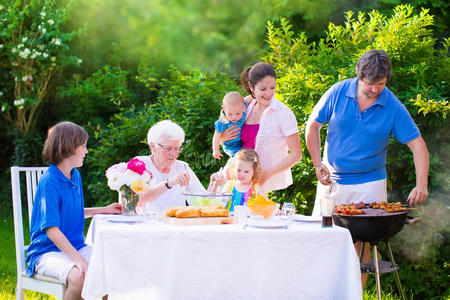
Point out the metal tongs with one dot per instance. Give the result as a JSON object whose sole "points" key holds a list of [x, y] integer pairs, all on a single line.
{"points": [[187, 186]]}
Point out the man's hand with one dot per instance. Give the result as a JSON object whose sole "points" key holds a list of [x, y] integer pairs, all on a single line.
{"points": [[323, 174], [417, 195]]}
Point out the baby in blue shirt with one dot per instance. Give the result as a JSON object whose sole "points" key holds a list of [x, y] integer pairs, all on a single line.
{"points": [[232, 113]]}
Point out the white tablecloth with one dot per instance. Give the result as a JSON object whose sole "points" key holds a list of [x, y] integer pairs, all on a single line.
{"points": [[162, 261]]}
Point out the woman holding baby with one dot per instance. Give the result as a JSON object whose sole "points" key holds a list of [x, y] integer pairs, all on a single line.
{"points": [[270, 128]]}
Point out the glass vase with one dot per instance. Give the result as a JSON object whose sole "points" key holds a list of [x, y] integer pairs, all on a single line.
{"points": [[129, 201]]}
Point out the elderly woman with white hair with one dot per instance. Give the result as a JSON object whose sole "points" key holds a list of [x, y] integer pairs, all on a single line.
{"points": [[171, 177]]}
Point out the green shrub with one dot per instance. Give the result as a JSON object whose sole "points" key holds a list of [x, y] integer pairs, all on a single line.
{"points": [[96, 98]]}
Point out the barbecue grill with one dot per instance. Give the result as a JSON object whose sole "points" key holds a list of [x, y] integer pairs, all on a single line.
{"points": [[374, 226]]}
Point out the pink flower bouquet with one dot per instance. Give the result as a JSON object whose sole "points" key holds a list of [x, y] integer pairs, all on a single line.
{"points": [[133, 175]]}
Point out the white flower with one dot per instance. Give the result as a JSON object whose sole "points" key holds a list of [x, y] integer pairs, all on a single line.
{"points": [[145, 177], [14, 64], [1, 93], [130, 177], [27, 77], [39, 27], [25, 53], [45, 55], [40, 47], [43, 14], [13, 50], [19, 103], [4, 105], [51, 22], [24, 39], [115, 181], [53, 58], [1, 46], [79, 61], [44, 30], [57, 42]]}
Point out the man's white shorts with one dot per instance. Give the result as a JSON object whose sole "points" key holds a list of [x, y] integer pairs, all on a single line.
{"points": [[58, 264], [374, 191]]}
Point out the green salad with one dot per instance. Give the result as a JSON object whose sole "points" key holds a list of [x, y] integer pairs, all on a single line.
{"points": [[204, 200]]}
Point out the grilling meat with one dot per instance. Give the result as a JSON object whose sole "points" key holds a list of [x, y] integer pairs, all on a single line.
{"points": [[389, 207], [352, 209]]}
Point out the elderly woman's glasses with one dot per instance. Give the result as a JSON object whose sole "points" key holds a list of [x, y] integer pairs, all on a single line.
{"points": [[170, 149]]}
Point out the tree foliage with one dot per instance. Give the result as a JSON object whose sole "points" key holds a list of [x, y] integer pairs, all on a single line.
{"points": [[33, 49]]}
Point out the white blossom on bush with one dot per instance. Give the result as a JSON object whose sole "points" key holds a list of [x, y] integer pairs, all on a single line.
{"points": [[19, 102]]}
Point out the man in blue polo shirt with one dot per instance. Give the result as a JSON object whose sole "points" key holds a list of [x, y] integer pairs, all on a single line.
{"points": [[362, 114]]}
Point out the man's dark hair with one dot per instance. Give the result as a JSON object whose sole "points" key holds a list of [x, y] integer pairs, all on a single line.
{"points": [[374, 65]]}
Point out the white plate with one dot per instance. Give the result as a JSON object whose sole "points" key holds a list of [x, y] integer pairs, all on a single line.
{"points": [[303, 218], [266, 223], [124, 219]]}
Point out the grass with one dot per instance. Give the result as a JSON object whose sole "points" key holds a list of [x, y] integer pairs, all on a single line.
{"points": [[8, 262], [8, 267]]}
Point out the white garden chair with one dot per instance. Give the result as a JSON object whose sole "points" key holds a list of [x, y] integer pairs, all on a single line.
{"points": [[38, 283]]}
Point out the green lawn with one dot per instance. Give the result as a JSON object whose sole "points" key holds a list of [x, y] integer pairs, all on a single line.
{"points": [[8, 262], [8, 266]]}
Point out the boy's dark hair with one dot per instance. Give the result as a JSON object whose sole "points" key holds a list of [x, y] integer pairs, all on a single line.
{"points": [[374, 65], [256, 73], [62, 141]]}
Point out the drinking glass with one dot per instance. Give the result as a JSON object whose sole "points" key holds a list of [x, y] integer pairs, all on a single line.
{"points": [[241, 212], [327, 201], [149, 213], [288, 211]]}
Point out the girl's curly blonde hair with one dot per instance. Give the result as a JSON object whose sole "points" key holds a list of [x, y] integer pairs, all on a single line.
{"points": [[248, 155]]}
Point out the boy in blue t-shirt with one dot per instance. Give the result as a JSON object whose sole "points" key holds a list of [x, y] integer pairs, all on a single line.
{"points": [[57, 247], [232, 113]]}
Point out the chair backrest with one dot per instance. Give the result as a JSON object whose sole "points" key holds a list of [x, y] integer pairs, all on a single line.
{"points": [[32, 176]]}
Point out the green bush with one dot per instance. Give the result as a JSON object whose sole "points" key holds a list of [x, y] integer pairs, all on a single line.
{"points": [[96, 98]]}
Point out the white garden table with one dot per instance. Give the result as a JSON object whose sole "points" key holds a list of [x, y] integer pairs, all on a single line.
{"points": [[163, 261]]}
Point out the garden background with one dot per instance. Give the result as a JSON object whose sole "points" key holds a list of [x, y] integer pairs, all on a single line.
{"points": [[117, 67]]}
